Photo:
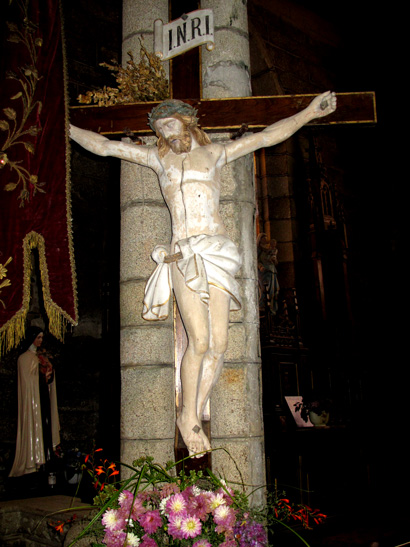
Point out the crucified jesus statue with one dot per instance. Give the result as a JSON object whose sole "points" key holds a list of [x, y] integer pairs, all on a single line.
{"points": [[201, 262]]}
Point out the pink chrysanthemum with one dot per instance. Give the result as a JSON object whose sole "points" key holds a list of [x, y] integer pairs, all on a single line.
{"points": [[113, 520], [114, 539], [188, 492], [148, 542], [224, 517], [202, 543], [137, 509], [199, 507], [169, 489], [126, 498], [150, 521], [215, 500], [176, 504], [175, 525], [130, 507], [131, 540], [229, 543], [227, 493], [191, 527], [224, 513]]}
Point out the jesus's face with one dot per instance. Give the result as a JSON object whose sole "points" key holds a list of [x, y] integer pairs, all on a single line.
{"points": [[176, 134]]}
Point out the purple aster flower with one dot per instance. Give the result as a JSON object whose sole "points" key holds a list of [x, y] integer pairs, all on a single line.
{"points": [[250, 534]]}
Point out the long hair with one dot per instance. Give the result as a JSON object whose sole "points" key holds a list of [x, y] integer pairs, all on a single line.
{"points": [[190, 126]]}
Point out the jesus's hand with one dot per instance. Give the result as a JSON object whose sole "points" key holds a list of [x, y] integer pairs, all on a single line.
{"points": [[322, 105]]}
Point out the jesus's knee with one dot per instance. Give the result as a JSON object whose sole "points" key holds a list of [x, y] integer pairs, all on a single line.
{"points": [[218, 345], [199, 345]]}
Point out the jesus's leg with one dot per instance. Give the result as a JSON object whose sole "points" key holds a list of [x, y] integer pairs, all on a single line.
{"points": [[219, 303], [194, 314]]}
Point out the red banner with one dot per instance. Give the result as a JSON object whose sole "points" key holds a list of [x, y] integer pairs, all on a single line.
{"points": [[35, 206]]}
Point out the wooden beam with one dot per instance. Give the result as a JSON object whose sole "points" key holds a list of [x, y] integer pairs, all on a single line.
{"points": [[227, 114]]}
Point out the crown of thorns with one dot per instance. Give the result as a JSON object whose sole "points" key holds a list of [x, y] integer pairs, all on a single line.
{"points": [[168, 108]]}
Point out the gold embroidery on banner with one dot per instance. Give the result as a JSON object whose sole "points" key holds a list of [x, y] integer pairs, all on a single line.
{"points": [[17, 130], [13, 331], [3, 275]]}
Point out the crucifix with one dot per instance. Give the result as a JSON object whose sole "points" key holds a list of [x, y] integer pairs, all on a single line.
{"points": [[197, 165]]}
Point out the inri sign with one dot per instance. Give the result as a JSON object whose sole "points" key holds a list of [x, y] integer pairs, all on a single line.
{"points": [[190, 30]]}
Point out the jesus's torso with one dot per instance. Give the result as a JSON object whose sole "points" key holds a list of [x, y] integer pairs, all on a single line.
{"points": [[190, 184]]}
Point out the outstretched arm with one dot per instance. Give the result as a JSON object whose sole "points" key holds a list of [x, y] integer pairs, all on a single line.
{"points": [[97, 144], [321, 106]]}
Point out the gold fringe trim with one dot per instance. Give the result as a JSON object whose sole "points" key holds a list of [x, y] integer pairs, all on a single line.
{"points": [[69, 216], [13, 332]]}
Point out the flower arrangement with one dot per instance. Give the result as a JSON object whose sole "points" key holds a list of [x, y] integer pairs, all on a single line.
{"points": [[157, 507]]}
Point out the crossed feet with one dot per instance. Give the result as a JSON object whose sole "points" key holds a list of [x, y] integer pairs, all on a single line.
{"points": [[194, 437]]}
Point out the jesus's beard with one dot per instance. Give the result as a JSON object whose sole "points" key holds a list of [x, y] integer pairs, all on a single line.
{"points": [[180, 144]]}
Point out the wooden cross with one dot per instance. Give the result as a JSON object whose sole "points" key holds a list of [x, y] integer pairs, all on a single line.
{"points": [[215, 115], [227, 114]]}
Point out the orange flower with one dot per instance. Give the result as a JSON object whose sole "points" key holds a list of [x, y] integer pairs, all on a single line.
{"points": [[116, 472], [59, 527]]}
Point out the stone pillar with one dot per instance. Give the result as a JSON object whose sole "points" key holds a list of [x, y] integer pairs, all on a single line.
{"points": [[147, 348], [236, 407]]}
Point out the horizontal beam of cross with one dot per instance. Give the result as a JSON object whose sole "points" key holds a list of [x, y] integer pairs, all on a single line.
{"points": [[226, 114]]}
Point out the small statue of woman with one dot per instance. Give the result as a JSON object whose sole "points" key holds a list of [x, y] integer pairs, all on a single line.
{"points": [[38, 428]]}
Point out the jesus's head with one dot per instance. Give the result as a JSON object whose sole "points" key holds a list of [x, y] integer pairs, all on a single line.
{"points": [[175, 124]]}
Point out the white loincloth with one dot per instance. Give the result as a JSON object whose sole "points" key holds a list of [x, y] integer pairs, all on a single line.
{"points": [[206, 260]]}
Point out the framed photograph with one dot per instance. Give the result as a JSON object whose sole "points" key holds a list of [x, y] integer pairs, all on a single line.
{"points": [[291, 401]]}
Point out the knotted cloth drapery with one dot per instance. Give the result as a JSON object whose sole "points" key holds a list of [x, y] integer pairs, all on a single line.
{"points": [[203, 261], [35, 206]]}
